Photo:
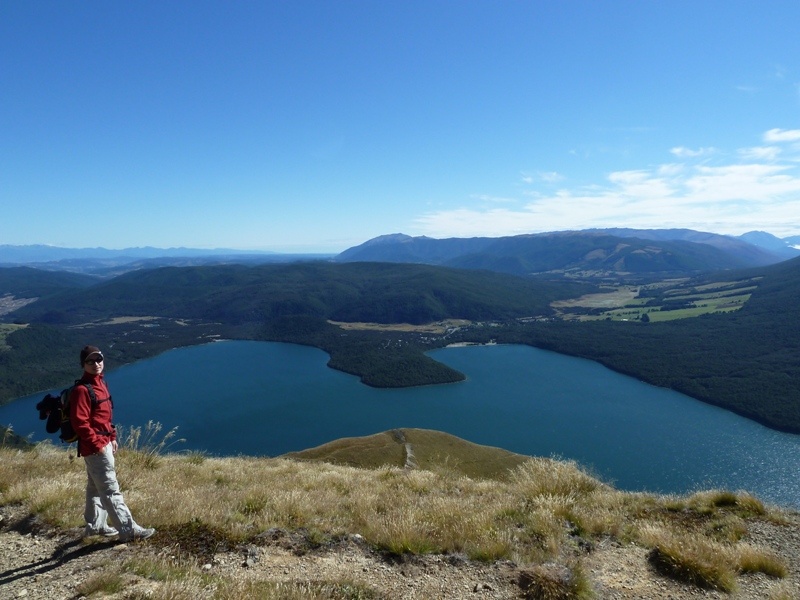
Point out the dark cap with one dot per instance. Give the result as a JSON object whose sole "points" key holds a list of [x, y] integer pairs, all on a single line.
{"points": [[90, 351]]}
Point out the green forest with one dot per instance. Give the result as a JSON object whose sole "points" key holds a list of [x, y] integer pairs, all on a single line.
{"points": [[744, 360]]}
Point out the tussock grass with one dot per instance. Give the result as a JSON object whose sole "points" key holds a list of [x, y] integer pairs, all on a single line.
{"points": [[690, 558], [753, 559], [705, 561], [102, 583], [269, 590], [551, 581], [782, 591], [541, 511]]}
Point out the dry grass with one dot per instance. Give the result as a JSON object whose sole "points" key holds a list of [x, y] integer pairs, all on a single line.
{"points": [[542, 511], [691, 558]]}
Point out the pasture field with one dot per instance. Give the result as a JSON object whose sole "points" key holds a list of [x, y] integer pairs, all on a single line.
{"points": [[662, 301]]}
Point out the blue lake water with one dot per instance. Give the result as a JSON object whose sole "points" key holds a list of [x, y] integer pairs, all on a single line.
{"points": [[257, 398]]}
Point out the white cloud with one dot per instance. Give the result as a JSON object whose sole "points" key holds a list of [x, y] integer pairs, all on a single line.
{"points": [[545, 176], [782, 135], [493, 199], [759, 192], [683, 152], [760, 153], [551, 177]]}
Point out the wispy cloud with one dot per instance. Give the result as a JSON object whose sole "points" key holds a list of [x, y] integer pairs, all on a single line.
{"points": [[544, 176], [493, 199], [760, 153], [682, 152], [782, 135], [756, 188]]}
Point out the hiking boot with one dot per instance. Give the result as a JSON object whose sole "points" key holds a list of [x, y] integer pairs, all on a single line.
{"points": [[138, 534], [106, 531]]}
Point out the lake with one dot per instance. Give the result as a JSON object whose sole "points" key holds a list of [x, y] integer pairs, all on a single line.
{"points": [[265, 399]]}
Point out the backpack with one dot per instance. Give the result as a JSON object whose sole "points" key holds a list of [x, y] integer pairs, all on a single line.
{"points": [[56, 410]]}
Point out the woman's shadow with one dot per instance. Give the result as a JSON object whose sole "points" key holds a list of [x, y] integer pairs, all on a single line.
{"points": [[72, 549]]}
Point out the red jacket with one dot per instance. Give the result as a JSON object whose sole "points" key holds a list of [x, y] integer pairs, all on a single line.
{"points": [[92, 423]]}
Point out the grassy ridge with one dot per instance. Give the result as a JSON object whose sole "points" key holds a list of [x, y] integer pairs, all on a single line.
{"points": [[417, 448], [535, 512]]}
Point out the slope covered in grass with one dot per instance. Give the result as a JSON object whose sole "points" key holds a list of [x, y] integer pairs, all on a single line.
{"points": [[543, 522]]}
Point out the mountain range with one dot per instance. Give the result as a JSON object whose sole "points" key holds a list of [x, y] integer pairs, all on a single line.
{"points": [[595, 252], [591, 252], [104, 262]]}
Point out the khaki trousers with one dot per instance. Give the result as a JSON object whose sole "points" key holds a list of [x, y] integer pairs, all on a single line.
{"points": [[103, 498]]}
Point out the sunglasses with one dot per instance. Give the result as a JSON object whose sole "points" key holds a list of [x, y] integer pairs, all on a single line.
{"points": [[94, 361]]}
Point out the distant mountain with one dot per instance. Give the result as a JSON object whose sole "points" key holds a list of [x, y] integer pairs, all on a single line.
{"points": [[44, 253], [667, 252], [761, 240], [109, 263], [781, 247]]}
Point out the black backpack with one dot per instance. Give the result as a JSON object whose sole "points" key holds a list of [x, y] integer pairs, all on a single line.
{"points": [[56, 410]]}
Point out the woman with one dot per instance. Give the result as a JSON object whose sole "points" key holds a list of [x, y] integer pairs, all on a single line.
{"points": [[90, 408]]}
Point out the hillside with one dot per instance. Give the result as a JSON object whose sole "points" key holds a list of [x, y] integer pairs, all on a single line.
{"points": [[236, 294], [28, 283], [592, 253], [414, 448], [289, 529], [745, 361], [143, 313]]}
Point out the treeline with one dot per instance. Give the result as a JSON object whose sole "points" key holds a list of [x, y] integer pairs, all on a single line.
{"points": [[237, 294]]}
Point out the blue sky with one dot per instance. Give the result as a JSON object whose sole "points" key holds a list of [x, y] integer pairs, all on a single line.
{"points": [[313, 126]]}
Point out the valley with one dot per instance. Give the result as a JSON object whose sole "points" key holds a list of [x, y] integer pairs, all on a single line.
{"points": [[722, 335]]}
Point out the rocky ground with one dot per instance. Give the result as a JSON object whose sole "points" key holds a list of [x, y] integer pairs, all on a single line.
{"points": [[39, 563]]}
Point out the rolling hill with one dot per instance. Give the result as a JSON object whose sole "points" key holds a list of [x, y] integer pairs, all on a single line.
{"points": [[237, 294]]}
